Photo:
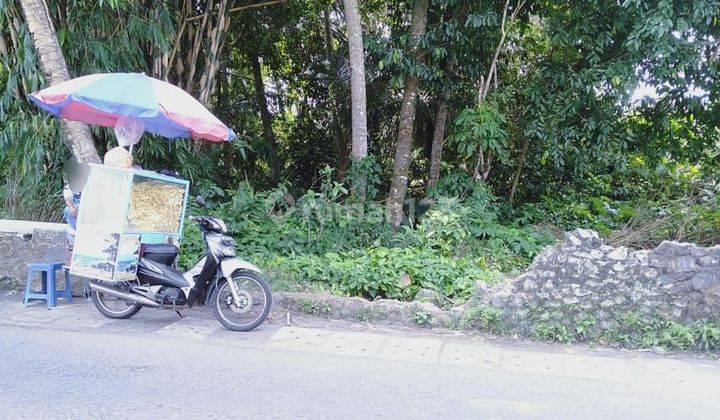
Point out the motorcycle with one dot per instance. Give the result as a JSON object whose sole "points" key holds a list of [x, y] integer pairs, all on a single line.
{"points": [[239, 296]]}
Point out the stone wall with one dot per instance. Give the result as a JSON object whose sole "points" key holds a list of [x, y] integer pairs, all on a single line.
{"points": [[676, 281], [22, 243]]}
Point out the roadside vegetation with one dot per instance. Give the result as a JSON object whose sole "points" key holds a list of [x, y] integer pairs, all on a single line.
{"points": [[388, 146], [632, 330], [628, 330], [328, 241]]}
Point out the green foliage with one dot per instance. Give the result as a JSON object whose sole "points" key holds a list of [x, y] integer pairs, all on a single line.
{"points": [[455, 184], [347, 246], [111, 36], [480, 128], [706, 336], [633, 330], [308, 306], [312, 307], [559, 115], [679, 205], [483, 317], [364, 314], [564, 83], [388, 272], [585, 325], [368, 172], [552, 332], [420, 318], [31, 157], [453, 227]]}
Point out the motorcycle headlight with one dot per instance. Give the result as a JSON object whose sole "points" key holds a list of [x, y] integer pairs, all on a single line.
{"points": [[228, 246]]}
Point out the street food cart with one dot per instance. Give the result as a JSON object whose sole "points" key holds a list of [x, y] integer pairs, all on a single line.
{"points": [[123, 208], [120, 210]]}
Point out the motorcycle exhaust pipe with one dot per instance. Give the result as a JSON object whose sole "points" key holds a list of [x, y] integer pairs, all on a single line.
{"points": [[112, 291]]}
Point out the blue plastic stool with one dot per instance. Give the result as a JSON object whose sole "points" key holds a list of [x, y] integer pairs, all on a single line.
{"points": [[49, 292]]}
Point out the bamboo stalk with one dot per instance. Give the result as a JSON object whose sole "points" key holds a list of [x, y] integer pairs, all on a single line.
{"points": [[3, 45], [196, 50], [212, 63], [241, 8], [216, 64], [176, 44]]}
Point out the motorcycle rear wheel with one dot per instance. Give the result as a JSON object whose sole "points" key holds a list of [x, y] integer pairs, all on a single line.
{"points": [[113, 307], [249, 314]]}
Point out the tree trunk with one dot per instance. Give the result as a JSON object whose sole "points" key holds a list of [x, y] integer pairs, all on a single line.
{"points": [[398, 186], [441, 121], [518, 171], [343, 146], [437, 145], [266, 118], [357, 88], [52, 63]]}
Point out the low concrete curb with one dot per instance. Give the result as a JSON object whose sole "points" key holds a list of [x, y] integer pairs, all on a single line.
{"points": [[379, 312]]}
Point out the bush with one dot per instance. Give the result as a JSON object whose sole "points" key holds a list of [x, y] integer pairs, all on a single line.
{"points": [[482, 317], [347, 246], [396, 273], [689, 213], [635, 331], [327, 239]]}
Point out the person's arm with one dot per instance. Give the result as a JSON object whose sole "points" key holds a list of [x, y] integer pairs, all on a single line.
{"points": [[68, 196]]}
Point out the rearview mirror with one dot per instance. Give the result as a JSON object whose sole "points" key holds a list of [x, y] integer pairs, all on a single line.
{"points": [[200, 200]]}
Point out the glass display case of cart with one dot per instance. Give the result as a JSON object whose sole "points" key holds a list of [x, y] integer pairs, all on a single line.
{"points": [[120, 210]]}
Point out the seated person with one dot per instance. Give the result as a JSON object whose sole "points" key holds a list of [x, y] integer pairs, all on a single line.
{"points": [[72, 205], [75, 175]]}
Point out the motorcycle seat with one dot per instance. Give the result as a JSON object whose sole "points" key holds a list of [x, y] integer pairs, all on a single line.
{"points": [[161, 253]]}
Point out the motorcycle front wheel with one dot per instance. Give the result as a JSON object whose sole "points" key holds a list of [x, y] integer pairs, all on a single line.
{"points": [[113, 307], [253, 306]]}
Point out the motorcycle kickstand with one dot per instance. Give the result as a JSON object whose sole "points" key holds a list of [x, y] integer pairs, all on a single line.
{"points": [[176, 310]]}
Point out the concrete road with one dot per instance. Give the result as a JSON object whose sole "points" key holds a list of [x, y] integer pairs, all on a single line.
{"points": [[70, 362]]}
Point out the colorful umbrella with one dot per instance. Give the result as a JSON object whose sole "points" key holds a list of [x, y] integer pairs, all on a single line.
{"points": [[163, 108]]}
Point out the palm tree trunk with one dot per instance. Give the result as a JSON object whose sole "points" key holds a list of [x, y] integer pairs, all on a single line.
{"points": [[357, 88], [52, 63], [398, 186]]}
